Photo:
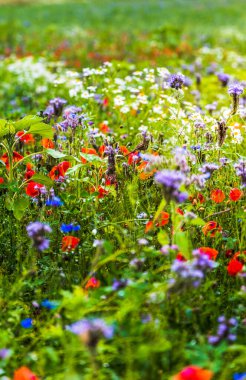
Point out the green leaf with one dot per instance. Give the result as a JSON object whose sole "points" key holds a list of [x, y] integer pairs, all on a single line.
{"points": [[27, 122], [43, 179], [159, 210], [91, 158], [74, 169], [42, 129], [197, 222], [163, 238], [182, 240], [19, 207], [6, 128], [55, 153], [9, 203]]}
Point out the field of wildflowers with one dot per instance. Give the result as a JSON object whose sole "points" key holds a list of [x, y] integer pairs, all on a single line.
{"points": [[122, 190]]}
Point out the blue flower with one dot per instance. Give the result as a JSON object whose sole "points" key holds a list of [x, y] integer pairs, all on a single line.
{"points": [[239, 376], [76, 228], [67, 228], [54, 202], [50, 305], [26, 323]]}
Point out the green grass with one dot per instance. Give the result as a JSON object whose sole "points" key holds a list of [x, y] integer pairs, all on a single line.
{"points": [[34, 27]]}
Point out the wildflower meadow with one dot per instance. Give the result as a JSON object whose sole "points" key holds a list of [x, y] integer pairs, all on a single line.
{"points": [[122, 190]]}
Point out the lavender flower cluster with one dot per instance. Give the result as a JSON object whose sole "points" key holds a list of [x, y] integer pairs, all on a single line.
{"points": [[176, 81], [171, 181], [91, 330], [37, 232], [224, 331], [241, 171], [191, 274]]}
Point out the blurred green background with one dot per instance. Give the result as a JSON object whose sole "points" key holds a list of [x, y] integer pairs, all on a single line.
{"points": [[79, 32]]}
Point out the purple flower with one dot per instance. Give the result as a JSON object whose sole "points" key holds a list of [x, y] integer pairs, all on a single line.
{"points": [[37, 232], [120, 284], [91, 330], [191, 273], [4, 353], [225, 331], [223, 78], [241, 171], [70, 110], [57, 104], [171, 180], [180, 155], [208, 169], [176, 81], [213, 340], [72, 120], [48, 112], [137, 263], [235, 90]]}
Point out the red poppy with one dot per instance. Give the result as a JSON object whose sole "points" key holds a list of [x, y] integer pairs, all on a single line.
{"points": [[104, 128], [1, 180], [105, 102], [144, 174], [229, 252], [33, 189], [133, 158], [88, 151], [211, 228], [194, 373], [235, 194], [101, 150], [29, 174], [234, 267], [180, 257], [199, 198], [210, 252], [16, 157], [102, 192], [163, 219], [69, 243], [217, 195], [124, 150], [59, 170], [148, 226], [24, 373], [29, 166], [92, 283], [179, 211], [26, 138], [47, 143]]}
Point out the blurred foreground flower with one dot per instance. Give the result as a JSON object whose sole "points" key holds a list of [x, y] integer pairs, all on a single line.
{"points": [[193, 373], [37, 232], [171, 180], [24, 373], [91, 331]]}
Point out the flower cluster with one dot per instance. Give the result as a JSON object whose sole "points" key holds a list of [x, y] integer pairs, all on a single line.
{"points": [[91, 331], [37, 231], [171, 181], [224, 331]]}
